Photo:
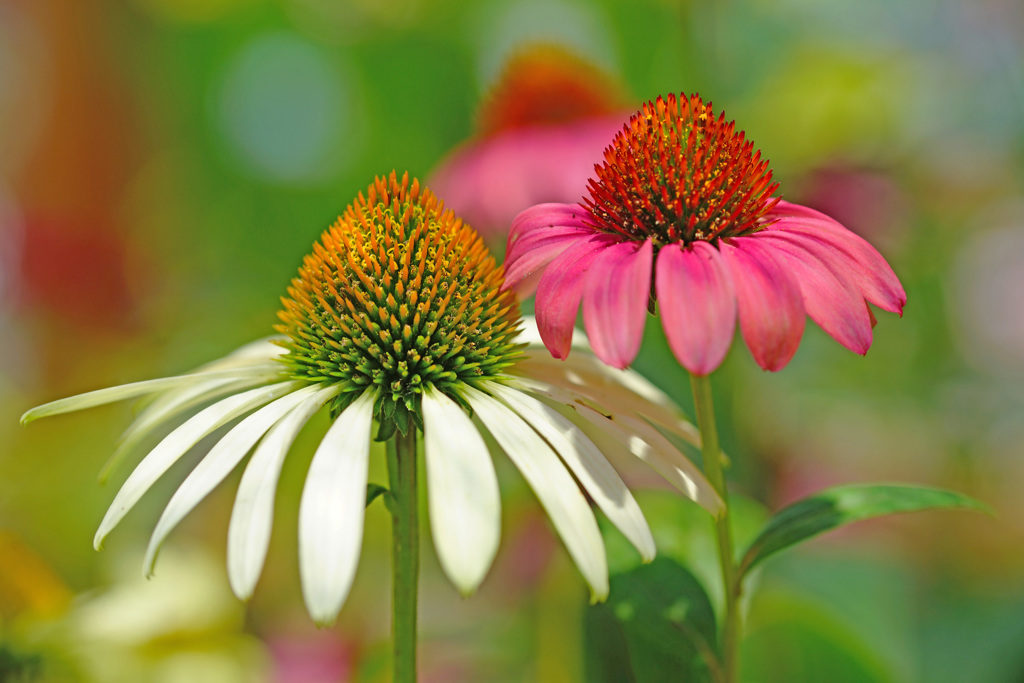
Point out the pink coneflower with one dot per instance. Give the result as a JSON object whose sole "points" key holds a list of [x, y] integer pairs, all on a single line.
{"points": [[541, 129], [681, 215]]}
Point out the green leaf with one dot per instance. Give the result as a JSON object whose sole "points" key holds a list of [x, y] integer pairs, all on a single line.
{"points": [[839, 506], [658, 623], [606, 656], [373, 491]]}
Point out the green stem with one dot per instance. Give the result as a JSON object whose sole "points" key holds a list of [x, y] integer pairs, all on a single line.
{"points": [[405, 552], [712, 455]]}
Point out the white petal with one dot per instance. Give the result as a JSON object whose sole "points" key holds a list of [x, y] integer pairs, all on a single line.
{"points": [[218, 464], [649, 445], [462, 492], [253, 352], [177, 443], [331, 511], [253, 514], [598, 478], [100, 397], [172, 403], [530, 334], [251, 359], [616, 391], [555, 488], [603, 374]]}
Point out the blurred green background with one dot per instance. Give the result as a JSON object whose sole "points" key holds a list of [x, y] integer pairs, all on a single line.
{"points": [[165, 164]]}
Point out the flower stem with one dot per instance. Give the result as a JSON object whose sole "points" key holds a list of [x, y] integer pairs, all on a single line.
{"points": [[712, 455], [405, 552]]}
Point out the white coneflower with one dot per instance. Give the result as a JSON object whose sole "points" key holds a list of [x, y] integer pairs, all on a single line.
{"points": [[397, 318]]}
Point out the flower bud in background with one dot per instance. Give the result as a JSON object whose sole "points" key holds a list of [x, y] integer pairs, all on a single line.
{"points": [[541, 129]]}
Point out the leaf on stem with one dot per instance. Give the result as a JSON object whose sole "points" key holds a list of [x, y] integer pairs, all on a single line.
{"points": [[842, 505]]}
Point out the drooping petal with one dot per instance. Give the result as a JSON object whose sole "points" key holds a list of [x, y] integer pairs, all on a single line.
{"points": [[595, 474], [829, 297], [217, 464], [100, 397], [616, 290], [771, 311], [527, 259], [646, 443], [582, 377], [170, 404], [253, 514], [846, 250], [697, 305], [462, 492], [331, 511], [177, 443], [555, 488], [560, 290]]}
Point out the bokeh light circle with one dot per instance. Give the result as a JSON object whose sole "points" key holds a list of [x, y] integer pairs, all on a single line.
{"points": [[287, 111]]}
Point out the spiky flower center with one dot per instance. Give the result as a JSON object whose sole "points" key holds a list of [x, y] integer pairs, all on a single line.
{"points": [[675, 173], [546, 84], [397, 295]]}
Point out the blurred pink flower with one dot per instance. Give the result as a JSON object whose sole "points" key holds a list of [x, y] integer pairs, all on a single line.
{"points": [[541, 131], [869, 202], [306, 656], [682, 189], [79, 272]]}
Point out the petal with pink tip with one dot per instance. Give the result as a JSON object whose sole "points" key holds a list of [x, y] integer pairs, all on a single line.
{"points": [[560, 291], [533, 252], [697, 305], [768, 299], [616, 291], [845, 250], [829, 297]]}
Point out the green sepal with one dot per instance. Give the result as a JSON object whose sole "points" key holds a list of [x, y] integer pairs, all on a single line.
{"points": [[415, 405], [385, 430], [380, 407], [401, 417], [374, 491], [842, 505], [342, 401]]}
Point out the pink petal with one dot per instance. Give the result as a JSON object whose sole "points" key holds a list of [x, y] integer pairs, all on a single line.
{"points": [[617, 288], [770, 309], [533, 252], [560, 290], [697, 305], [546, 216], [786, 209], [829, 296], [846, 251]]}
